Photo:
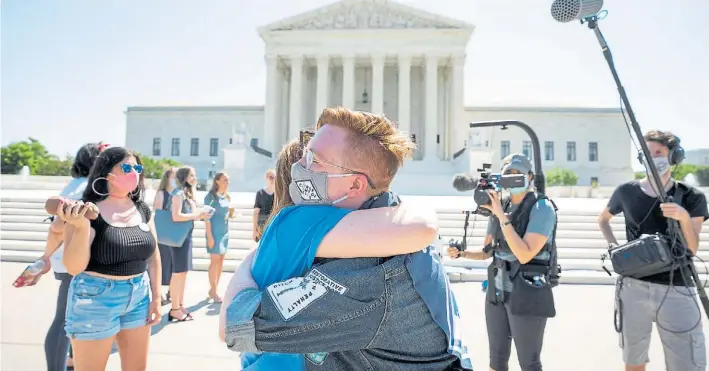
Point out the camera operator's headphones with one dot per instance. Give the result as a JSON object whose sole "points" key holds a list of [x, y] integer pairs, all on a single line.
{"points": [[676, 155]]}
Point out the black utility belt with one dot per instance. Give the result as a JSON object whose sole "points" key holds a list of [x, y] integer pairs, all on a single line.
{"points": [[534, 266], [531, 290], [648, 255]]}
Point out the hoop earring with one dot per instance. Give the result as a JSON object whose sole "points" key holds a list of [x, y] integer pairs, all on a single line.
{"points": [[93, 187]]}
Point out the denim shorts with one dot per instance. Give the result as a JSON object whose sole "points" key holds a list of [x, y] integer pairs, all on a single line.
{"points": [[99, 308]]}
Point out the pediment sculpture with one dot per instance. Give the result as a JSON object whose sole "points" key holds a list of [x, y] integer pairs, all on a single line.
{"points": [[364, 15]]}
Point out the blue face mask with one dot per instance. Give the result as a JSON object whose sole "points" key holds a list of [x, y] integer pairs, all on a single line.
{"points": [[518, 190]]}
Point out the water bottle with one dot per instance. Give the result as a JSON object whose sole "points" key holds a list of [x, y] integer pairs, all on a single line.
{"points": [[36, 267]]}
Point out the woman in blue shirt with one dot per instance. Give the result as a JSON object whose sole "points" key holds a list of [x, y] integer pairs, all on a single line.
{"points": [[288, 248], [217, 230]]}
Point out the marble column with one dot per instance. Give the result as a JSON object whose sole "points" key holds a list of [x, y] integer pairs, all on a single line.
{"points": [[430, 146], [458, 127], [348, 81], [296, 97], [404, 118], [271, 131], [323, 82], [377, 84]]}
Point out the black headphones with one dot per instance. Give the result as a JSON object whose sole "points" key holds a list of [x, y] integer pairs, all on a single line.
{"points": [[676, 155]]}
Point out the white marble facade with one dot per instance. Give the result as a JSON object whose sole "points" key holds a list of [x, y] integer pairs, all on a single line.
{"points": [[376, 56], [383, 57]]}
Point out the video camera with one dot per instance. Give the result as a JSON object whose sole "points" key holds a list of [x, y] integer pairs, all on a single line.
{"points": [[494, 181]]}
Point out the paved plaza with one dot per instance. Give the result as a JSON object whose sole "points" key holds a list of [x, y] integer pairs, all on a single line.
{"points": [[580, 338]]}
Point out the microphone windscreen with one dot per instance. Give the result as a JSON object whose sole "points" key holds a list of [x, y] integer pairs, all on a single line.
{"points": [[464, 182], [569, 10]]}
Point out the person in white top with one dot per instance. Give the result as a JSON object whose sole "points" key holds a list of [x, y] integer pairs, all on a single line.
{"points": [[56, 344]]}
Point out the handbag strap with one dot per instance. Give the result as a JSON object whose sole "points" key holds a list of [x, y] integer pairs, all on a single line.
{"points": [[165, 199]]}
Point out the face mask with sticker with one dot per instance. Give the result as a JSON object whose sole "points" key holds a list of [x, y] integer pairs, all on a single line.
{"points": [[518, 190], [662, 164], [309, 187]]}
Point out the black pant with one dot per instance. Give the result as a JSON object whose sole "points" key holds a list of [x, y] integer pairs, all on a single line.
{"points": [[528, 333], [56, 344], [166, 263]]}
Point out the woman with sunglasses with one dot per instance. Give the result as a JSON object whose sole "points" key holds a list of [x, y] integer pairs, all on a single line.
{"points": [[263, 205], [111, 297]]}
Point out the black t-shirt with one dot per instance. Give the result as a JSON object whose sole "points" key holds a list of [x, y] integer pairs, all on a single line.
{"points": [[264, 202], [643, 216]]}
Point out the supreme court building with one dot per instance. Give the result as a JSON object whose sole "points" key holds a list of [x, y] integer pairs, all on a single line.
{"points": [[384, 57]]}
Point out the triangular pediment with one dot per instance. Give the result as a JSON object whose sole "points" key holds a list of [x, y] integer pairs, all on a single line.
{"points": [[365, 14]]}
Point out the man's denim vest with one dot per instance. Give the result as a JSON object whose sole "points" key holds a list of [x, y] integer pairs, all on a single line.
{"points": [[378, 314]]}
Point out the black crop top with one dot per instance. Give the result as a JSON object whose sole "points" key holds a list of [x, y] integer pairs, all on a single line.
{"points": [[121, 251]]}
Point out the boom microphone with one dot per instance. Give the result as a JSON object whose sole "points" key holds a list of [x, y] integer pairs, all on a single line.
{"points": [[464, 182], [570, 10]]}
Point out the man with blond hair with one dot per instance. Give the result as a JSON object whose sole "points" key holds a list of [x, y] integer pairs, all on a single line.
{"points": [[359, 313]]}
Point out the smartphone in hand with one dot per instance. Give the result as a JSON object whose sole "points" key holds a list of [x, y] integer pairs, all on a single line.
{"points": [[31, 275]]}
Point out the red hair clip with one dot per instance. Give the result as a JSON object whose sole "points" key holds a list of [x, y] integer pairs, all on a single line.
{"points": [[103, 146]]}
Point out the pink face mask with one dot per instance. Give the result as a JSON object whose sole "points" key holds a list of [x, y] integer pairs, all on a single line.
{"points": [[124, 184]]}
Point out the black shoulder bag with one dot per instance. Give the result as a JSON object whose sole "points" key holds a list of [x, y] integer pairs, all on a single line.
{"points": [[648, 255]]}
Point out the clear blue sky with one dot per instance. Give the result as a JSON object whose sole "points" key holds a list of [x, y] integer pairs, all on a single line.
{"points": [[71, 67]]}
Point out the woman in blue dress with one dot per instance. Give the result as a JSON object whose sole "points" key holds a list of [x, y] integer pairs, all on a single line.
{"points": [[217, 231]]}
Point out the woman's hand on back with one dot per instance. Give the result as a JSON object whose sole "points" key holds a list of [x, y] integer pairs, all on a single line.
{"points": [[74, 214]]}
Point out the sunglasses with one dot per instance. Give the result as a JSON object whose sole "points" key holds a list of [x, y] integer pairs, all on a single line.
{"points": [[127, 168]]}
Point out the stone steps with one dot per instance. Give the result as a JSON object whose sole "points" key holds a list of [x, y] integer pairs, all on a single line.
{"points": [[569, 262], [242, 239], [198, 264], [23, 232]]}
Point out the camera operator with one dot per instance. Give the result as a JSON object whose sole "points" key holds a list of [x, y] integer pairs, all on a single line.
{"points": [[642, 301], [519, 298]]}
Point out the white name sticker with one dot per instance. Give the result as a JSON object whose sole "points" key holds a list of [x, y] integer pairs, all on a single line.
{"points": [[295, 294]]}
